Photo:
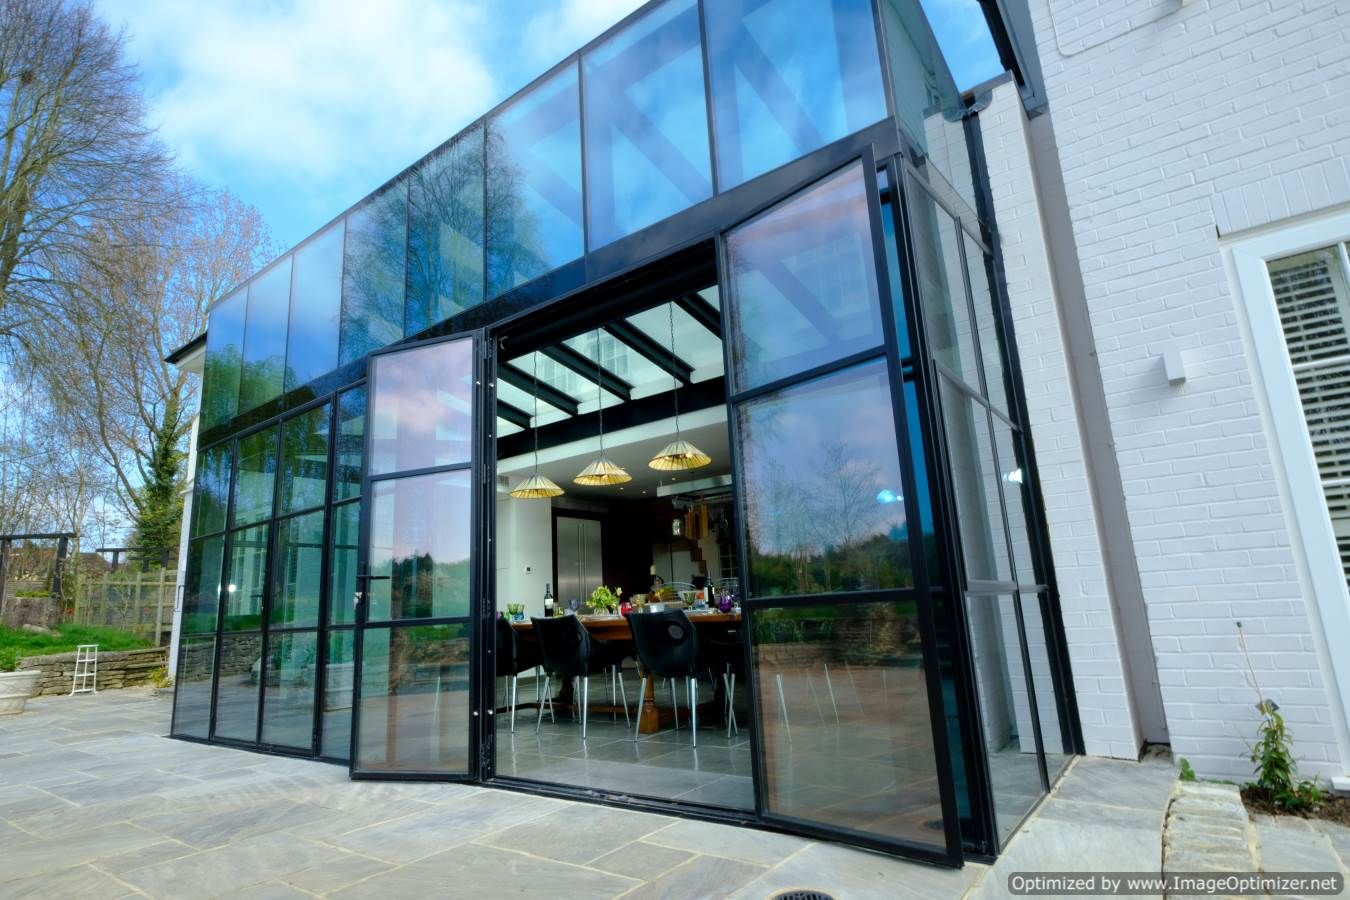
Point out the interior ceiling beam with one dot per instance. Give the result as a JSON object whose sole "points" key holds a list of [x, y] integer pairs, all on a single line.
{"points": [[568, 358], [513, 414], [513, 376], [702, 312], [637, 339]]}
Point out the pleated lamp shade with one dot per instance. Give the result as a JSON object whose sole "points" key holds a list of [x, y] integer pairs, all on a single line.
{"points": [[537, 487], [601, 472], [679, 454]]}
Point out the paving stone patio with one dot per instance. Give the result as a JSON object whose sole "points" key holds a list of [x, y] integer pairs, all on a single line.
{"points": [[95, 802]]}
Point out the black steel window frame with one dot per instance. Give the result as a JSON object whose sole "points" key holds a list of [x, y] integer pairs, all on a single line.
{"points": [[322, 628], [474, 466]]}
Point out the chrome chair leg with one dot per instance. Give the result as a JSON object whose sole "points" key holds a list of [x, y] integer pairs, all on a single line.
{"points": [[642, 692], [623, 694], [585, 702], [782, 704], [515, 681], [539, 719], [829, 685], [815, 697], [729, 684], [675, 702], [692, 683]]}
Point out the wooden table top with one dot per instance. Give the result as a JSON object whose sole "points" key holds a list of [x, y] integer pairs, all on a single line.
{"points": [[618, 625]]}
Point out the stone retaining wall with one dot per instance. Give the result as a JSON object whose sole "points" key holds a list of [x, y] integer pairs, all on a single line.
{"points": [[116, 669]]}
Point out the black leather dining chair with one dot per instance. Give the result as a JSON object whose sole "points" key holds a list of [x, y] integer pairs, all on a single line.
{"points": [[724, 656], [514, 657], [569, 651], [667, 647]]}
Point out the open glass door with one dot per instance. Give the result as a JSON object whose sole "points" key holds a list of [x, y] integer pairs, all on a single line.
{"points": [[415, 699]]}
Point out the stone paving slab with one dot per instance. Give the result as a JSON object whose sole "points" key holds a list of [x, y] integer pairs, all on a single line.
{"points": [[165, 818]]}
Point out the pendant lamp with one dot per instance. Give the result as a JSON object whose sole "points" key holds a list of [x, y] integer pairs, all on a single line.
{"points": [[536, 487], [602, 470], [679, 453]]}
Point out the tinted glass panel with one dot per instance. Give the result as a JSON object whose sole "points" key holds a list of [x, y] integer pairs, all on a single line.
{"points": [[238, 685], [1015, 482], [192, 688], [339, 672], [419, 537], [986, 320], [534, 218], [893, 271], [201, 596], [788, 77], [975, 479], [414, 699], [646, 123], [1054, 736], [350, 453], [316, 304], [924, 494], [804, 282], [224, 357], [245, 579], [373, 274], [288, 689], [823, 493], [445, 233], [211, 489], [423, 403], [304, 460], [942, 288], [927, 101], [1000, 680], [845, 731], [342, 563], [298, 583], [255, 483], [269, 298]]}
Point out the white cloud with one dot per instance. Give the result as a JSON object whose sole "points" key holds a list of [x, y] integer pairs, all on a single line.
{"points": [[970, 24], [554, 33]]}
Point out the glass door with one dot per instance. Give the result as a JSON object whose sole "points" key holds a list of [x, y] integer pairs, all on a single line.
{"points": [[415, 709], [850, 739]]}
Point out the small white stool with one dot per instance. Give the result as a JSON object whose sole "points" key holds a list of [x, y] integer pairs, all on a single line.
{"points": [[85, 680]]}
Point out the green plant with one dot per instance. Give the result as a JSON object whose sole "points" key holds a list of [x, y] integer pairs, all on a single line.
{"points": [[1187, 773], [1273, 753], [9, 659], [160, 677], [604, 598]]}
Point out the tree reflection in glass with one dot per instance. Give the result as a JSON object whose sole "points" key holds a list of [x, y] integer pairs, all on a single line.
{"points": [[445, 233], [824, 498], [420, 537], [373, 274]]}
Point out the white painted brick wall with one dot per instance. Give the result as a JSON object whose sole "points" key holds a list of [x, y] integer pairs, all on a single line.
{"points": [[1080, 566], [1186, 121]]}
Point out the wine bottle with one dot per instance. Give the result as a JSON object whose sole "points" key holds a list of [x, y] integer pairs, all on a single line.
{"points": [[548, 601]]}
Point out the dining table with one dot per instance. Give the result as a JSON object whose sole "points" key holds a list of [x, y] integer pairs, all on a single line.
{"points": [[651, 717]]}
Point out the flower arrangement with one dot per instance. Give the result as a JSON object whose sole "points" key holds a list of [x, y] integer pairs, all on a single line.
{"points": [[606, 599]]}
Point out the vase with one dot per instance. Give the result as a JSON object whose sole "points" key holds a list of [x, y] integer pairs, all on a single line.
{"points": [[16, 688]]}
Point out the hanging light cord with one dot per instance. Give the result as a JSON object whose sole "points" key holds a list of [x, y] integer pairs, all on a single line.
{"points": [[535, 421], [674, 382], [599, 393]]}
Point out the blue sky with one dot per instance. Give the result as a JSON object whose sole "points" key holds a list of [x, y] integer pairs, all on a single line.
{"points": [[302, 107]]}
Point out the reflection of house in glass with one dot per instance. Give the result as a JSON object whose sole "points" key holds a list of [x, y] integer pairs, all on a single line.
{"points": [[733, 251]]}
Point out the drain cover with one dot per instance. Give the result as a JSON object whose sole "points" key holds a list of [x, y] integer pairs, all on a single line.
{"points": [[802, 895]]}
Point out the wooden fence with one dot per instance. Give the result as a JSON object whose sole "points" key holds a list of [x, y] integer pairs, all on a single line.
{"points": [[129, 599]]}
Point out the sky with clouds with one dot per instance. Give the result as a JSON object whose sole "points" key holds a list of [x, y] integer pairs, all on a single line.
{"points": [[302, 107]]}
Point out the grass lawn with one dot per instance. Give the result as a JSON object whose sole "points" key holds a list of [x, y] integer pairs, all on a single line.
{"points": [[14, 645]]}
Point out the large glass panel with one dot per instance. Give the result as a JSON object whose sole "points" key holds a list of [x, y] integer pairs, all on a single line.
{"points": [[423, 407], [1014, 479], [924, 497], [298, 583], [255, 482], [373, 274], [211, 489], [803, 282], [419, 539], [970, 450], [224, 359], [534, 208], [316, 305], [845, 731], [201, 593], [414, 699], [895, 275], [789, 77], [304, 460], [1054, 736], [342, 563], [445, 233], [338, 675], [942, 287], [246, 579], [646, 123], [264, 370], [1005, 714], [237, 686], [986, 320], [350, 452], [927, 100], [288, 689], [192, 688], [822, 487]]}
